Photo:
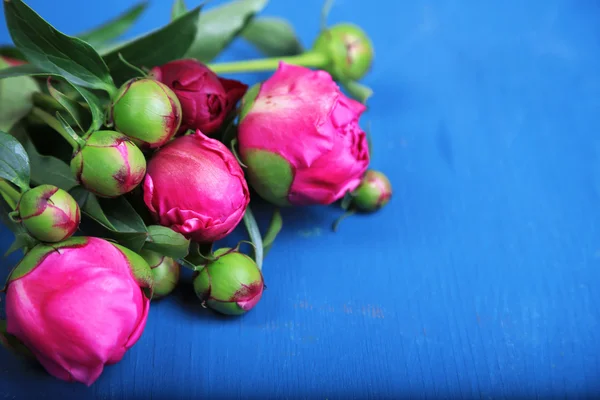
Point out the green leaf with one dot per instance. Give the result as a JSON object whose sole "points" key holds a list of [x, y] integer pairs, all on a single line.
{"points": [[22, 241], [219, 26], [369, 139], [167, 242], [272, 232], [178, 9], [15, 98], [5, 209], [53, 51], [255, 237], [275, 37], [166, 44], [14, 163], [114, 28], [357, 91], [12, 52], [95, 105], [49, 170], [23, 70], [71, 106], [116, 215]]}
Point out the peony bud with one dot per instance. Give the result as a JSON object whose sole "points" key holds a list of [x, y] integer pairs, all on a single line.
{"points": [[165, 273], [195, 186], [48, 213], [350, 50], [232, 284], [206, 99], [374, 192], [78, 305], [146, 111], [109, 164], [300, 138]]}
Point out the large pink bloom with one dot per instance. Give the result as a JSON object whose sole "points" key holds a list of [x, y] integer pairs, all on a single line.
{"points": [[301, 116], [79, 309], [195, 186], [205, 98]]}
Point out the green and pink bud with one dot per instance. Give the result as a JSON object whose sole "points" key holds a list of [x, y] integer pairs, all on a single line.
{"points": [[232, 284], [300, 138], [146, 111], [374, 192], [48, 213], [165, 273], [109, 164], [350, 51]]}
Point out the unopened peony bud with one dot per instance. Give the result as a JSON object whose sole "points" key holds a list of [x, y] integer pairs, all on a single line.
{"points": [[195, 186], [109, 164], [374, 192], [205, 98], [165, 272], [350, 50], [232, 284], [146, 111], [48, 213]]}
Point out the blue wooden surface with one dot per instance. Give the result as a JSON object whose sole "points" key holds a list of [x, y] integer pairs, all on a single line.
{"points": [[480, 279]]}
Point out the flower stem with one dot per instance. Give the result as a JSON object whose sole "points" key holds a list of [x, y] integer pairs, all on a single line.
{"points": [[75, 141], [308, 59], [9, 193]]}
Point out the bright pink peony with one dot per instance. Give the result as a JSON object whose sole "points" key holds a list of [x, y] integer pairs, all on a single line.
{"points": [[195, 186], [77, 306], [300, 138], [205, 99]]}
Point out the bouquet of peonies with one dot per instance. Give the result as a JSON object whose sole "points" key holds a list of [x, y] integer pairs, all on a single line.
{"points": [[119, 163]]}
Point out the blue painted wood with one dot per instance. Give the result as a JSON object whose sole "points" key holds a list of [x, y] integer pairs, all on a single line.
{"points": [[479, 280]]}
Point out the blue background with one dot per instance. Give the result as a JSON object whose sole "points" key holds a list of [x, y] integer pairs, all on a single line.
{"points": [[480, 279]]}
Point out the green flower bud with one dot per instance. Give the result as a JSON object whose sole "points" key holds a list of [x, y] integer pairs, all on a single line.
{"points": [[232, 284], [374, 192], [147, 111], [165, 272], [350, 50], [48, 213], [109, 164]]}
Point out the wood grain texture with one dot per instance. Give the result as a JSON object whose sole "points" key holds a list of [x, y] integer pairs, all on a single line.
{"points": [[479, 280]]}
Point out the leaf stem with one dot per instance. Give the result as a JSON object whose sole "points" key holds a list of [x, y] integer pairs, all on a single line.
{"points": [[255, 236], [75, 141], [9, 193], [308, 59]]}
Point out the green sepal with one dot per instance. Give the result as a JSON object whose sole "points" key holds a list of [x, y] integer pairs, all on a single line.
{"points": [[225, 307], [36, 255], [248, 100], [22, 241], [12, 343], [140, 270], [269, 174]]}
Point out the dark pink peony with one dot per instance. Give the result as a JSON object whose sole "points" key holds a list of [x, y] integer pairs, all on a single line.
{"points": [[195, 186], [205, 98]]}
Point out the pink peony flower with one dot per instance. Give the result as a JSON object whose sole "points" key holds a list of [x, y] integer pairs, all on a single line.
{"points": [[195, 186], [205, 99], [13, 62], [300, 138], [78, 305]]}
